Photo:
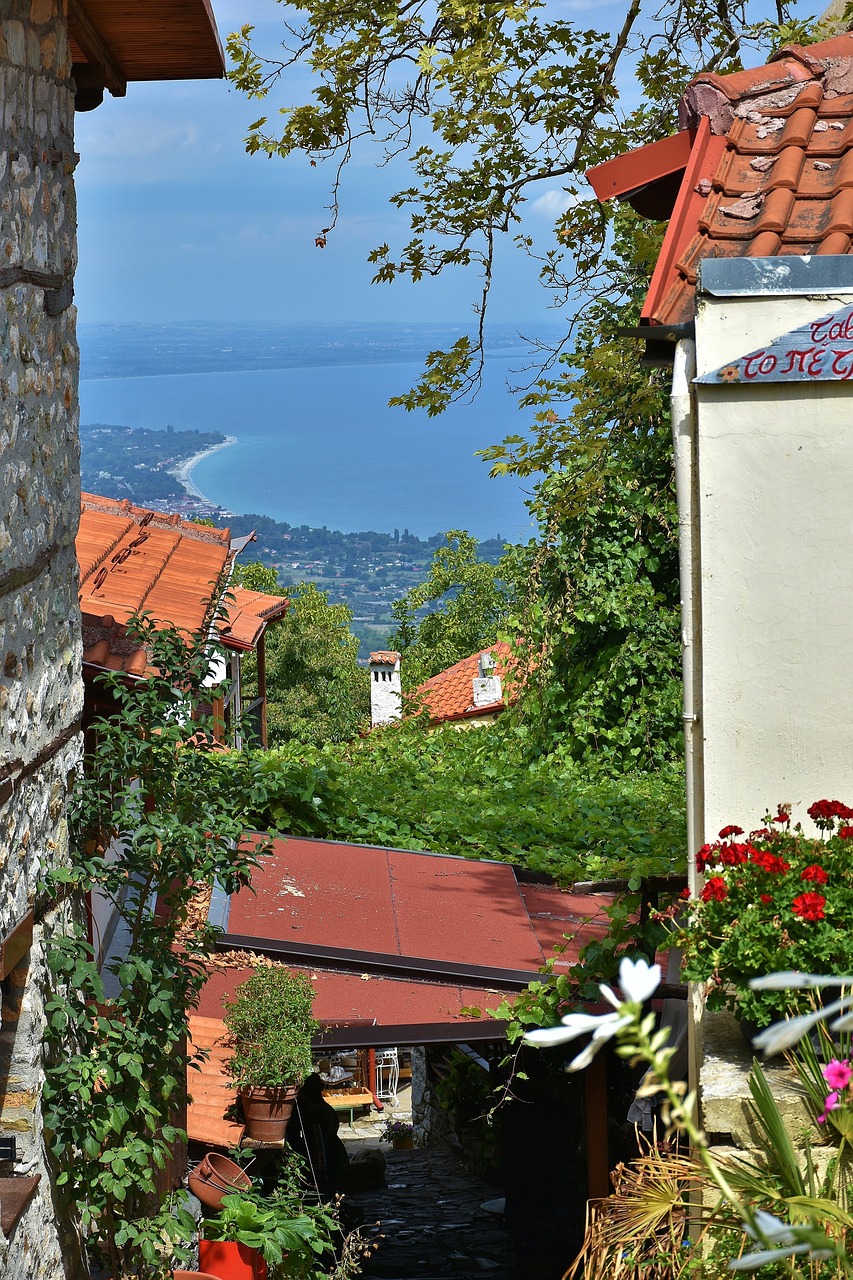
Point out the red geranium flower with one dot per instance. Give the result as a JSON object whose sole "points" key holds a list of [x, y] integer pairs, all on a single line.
{"points": [[762, 833], [782, 815], [809, 906], [731, 831], [824, 812], [715, 890], [732, 855], [816, 873], [846, 833], [769, 862], [707, 855], [685, 893], [766, 897]]}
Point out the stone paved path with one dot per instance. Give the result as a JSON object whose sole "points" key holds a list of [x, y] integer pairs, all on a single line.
{"points": [[432, 1222]]}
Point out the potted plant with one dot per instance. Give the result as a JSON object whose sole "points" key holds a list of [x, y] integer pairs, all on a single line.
{"points": [[270, 1024], [399, 1133], [251, 1238], [773, 900]]}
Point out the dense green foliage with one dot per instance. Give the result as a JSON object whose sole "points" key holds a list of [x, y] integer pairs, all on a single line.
{"points": [[460, 607], [598, 590], [476, 794], [269, 1018], [316, 691], [153, 819]]}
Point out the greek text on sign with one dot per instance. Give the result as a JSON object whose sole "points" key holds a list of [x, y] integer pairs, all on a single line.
{"points": [[820, 351]]}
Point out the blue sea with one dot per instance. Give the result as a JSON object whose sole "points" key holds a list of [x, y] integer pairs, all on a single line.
{"points": [[316, 442]]}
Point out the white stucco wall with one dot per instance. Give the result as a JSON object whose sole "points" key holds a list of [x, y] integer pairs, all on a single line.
{"points": [[775, 494]]}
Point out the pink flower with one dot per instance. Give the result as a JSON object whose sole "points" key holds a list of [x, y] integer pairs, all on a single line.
{"points": [[837, 1074], [831, 1104]]}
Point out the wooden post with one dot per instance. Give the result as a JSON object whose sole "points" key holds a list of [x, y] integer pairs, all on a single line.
{"points": [[597, 1152], [262, 685]]}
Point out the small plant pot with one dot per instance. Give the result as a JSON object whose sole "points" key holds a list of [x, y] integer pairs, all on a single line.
{"points": [[267, 1112], [227, 1260], [193, 1275], [217, 1176], [403, 1144]]}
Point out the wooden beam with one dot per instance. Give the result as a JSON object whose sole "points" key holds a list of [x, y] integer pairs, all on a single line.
{"points": [[15, 945], [597, 1146], [262, 685], [95, 50]]}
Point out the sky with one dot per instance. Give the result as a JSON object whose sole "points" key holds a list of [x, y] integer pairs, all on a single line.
{"points": [[178, 223]]}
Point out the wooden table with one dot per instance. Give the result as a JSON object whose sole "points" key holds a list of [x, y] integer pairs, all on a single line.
{"points": [[348, 1100]]}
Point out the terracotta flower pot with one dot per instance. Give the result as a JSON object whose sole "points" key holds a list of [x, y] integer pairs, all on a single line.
{"points": [[227, 1260], [403, 1144], [217, 1176], [267, 1112], [193, 1275]]}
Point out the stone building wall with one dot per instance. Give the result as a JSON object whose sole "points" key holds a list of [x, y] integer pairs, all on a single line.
{"points": [[40, 676]]}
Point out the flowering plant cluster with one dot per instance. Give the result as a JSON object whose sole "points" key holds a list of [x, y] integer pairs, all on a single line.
{"points": [[396, 1131], [773, 899]]}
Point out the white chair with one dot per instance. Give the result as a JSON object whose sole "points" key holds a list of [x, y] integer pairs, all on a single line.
{"points": [[387, 1074]]}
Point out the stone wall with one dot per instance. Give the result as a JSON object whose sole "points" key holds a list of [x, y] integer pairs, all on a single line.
{"points": [[40, 680]]}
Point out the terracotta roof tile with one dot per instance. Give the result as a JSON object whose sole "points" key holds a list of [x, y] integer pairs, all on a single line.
{"points": [[134, 560], [386, 656], [450, 694], [247, 615], [770, 172]]}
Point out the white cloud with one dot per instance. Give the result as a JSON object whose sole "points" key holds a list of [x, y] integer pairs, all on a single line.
{"points": [[554, 202]]}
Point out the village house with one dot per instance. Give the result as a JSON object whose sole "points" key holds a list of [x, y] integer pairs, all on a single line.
{"points": [[751, 302], [470, 693], [56, 56]]}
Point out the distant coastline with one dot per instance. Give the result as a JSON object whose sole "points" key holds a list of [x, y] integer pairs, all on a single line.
{"points": [[183, 472]]}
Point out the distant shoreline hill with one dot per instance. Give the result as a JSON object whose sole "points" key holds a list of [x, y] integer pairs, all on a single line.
{"points": [[367, 570], [150, 468]]}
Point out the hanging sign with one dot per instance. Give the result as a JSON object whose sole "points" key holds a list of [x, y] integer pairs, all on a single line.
{"points": [[820, 351]]}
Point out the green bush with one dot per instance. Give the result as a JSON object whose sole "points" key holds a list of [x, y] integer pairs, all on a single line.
{"points": [[270, 1020]]}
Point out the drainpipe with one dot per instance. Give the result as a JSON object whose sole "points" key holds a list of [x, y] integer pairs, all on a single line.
{"points": [[687, 497], [683, 439]]}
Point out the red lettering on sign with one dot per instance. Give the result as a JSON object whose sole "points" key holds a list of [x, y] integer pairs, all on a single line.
{"points": [[839, 369], [798, 359], [832, 329], [751, 365]]}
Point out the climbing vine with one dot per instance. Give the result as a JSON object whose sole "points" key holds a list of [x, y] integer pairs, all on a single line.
{"points": [[152, 826]]}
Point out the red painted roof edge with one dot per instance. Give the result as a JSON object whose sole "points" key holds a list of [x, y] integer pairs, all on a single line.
{"points": [[635, 169], [707, 151]]}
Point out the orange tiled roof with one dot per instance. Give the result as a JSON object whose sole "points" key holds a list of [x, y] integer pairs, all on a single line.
{"points": [[450, 694], [247, 616], [770, 170], [389, 656], [133, 560]]}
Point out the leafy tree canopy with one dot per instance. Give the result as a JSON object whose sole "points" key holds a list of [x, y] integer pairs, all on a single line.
{"points": [[316, 691], [466, 605], [492, 105]]}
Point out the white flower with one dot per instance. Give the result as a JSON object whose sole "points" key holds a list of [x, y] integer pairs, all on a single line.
{"points": [[637, 979], [782, 1035], [793, 980], [770, 1230]]}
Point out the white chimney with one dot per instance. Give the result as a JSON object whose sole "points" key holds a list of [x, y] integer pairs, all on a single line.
{"points": [[487, 682], [386, 694]]}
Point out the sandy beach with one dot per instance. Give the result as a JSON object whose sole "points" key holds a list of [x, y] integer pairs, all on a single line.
{"points": [[182, 473]]}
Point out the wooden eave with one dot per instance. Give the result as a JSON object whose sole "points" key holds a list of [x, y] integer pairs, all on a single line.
{"points": [[120, 41]]}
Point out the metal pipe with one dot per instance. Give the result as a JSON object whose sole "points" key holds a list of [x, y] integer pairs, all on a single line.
{"points": [[684, 447]]}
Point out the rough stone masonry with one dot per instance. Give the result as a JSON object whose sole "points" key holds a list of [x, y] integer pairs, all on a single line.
{"points": [[40, 672]]}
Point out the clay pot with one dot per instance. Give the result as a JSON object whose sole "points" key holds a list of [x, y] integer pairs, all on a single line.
{"points": [[217, 1176], [227, 1260], [193, 1275], [267, 1112], [403, 1144]]}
